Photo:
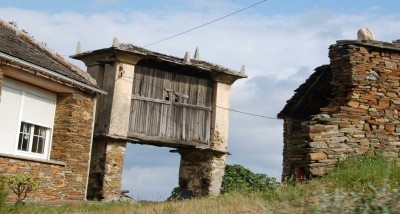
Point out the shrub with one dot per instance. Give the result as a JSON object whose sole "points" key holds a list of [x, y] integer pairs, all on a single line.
{"points": [[21, 185], [238, 178]]}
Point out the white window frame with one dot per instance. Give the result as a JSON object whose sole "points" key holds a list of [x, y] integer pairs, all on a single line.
{"points": [[47, 142], [48, 95]]}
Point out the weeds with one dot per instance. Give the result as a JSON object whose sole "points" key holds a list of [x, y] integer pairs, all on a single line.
{"points": [[363, 185]]}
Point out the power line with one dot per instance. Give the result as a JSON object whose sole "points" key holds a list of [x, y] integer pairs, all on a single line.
{"points": [[229, 109], [210, 22]]}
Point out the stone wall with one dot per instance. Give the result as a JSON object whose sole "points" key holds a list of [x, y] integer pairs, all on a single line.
{"points": [[362, 116], [72, 139], [201, 171], [106, 167], [49, 175], [294, 147]]}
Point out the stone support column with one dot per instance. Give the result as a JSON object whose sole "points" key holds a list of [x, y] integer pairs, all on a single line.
{"points": [[201, 170], [106, 169], [111, 128]]}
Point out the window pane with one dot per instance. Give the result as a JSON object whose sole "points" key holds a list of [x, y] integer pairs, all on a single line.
{"points": [[35, 144], [25, 128], [38, 144], [42, 131], [23, 142], [40, 148], [37, 140]]}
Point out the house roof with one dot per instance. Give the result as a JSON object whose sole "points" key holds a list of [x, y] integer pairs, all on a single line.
{"points": [[199, 65], [310, 96], [17, 44]]}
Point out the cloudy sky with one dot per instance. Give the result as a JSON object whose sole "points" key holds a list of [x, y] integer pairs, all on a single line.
{"points": [[279, 41]]}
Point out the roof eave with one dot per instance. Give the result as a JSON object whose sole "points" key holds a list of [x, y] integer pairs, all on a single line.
{"points": [[51, 73]]}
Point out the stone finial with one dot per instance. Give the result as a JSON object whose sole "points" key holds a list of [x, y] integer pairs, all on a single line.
{"points": [[243, 69], [365, 34], [197, 54], [115, 43], [186, 58], [78, 48]]}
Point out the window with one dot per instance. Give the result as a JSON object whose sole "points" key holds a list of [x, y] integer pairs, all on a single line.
{"points": [[32, 138], [26, 119]]}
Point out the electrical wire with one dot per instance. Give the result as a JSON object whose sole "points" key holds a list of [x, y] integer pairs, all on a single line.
{"points": [[228, 109], [205, 24]]}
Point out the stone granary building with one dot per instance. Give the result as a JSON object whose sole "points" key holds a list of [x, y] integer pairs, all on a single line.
{"points": [[348, 107], [159, 100], [46, 117]]}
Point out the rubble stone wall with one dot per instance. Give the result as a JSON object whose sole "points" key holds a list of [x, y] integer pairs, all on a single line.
{"points": [[106, 167], [362, 117], [201, 171], [50, 177], [294, 147], [72, 139]]}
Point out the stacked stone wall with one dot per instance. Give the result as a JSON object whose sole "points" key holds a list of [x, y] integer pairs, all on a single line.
{"points": [[295, 147], [201, 171], [72, 139], [50, 177], [106, 169], [363, 115]]}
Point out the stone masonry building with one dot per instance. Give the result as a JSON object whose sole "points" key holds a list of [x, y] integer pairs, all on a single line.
{"points": [[348, 107], [159, 100], [46, 117]]}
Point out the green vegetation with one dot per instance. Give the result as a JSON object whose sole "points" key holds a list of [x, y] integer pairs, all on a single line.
{"points": [[238, 178], [21, 185], [358, 185], [3, 190]]}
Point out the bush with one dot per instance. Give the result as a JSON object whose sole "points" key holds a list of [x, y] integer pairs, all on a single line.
{"points": [[3, 190], [238, 178], [21, 185]]}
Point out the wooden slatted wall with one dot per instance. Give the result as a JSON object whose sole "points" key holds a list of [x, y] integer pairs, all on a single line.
{"points": [[172, 105]]}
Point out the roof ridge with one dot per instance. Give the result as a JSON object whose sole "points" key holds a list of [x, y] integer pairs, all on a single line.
{"points": [[24, 35]]}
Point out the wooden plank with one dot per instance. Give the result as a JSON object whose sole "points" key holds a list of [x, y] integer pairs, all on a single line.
{"points": [[135, 97]]}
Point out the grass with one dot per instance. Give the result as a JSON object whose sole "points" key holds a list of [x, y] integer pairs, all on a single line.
{"points": [[358, 185]]}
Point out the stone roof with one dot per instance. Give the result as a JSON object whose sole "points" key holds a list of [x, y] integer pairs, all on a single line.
{"points": [[196, 64], [17, 43], [309, 96], [394, 46]]}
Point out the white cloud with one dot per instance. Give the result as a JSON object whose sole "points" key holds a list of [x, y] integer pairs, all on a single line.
{"points": [[279, 52], [150, 183]]}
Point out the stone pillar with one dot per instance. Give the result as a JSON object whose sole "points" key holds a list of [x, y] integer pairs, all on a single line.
{"points": [[113, 110], [202, 170], [220, 122], [111, 128], [106, 169]]}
